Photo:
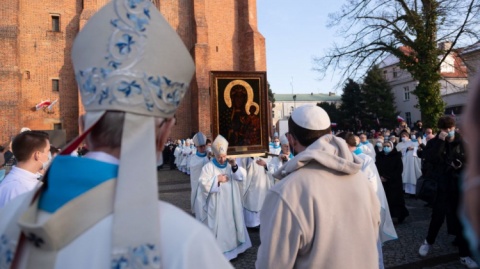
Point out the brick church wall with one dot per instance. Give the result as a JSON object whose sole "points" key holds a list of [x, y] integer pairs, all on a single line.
{"points": [[220, 34]]}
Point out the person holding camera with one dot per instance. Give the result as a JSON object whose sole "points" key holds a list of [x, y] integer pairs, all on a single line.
{"points": [[446, 156]]}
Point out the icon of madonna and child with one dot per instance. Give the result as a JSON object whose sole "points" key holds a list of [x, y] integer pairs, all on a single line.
{"points": [[239, 116]]}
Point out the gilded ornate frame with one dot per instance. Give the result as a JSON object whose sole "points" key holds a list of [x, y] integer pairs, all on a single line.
{"points": [[247, 133]]}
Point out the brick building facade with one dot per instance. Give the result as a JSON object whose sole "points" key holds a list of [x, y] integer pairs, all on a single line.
{"points": [[35, 44]]}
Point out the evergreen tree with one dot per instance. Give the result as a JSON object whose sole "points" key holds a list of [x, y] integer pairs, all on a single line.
{"points": [[271, 96], [332, 111], [351, 109], [378, 100]]}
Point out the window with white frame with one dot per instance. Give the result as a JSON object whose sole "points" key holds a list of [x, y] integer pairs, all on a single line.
{"points": [[406, 93]]}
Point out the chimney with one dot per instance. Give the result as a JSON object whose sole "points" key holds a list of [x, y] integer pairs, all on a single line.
{"points": [[331, 94], [311, 93], [444, 46]]}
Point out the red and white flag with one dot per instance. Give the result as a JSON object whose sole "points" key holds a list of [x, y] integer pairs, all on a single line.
{"points": [[400, 119], [42, 104], [52, 104]]}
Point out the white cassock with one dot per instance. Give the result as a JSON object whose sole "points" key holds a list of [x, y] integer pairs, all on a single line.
{"points": [[17, 182], [224, 208], [386, 230], [178, 153], [186, 151], [368, 149], [275, 149], [256, 186], [196, 201], [412, 165], [276, 163], [189, 157]]}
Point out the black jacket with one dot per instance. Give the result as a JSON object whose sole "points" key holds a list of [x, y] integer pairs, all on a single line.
{"points": [[439, 156]]}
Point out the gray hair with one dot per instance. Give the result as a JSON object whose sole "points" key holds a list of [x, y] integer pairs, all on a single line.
{"points": [[108, 131]]}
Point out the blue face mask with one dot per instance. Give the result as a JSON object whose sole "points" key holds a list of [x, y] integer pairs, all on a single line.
{"points": [[357, 151], [387, 149], [364, 143], [379, 145], [471, 235], [451, 133]]}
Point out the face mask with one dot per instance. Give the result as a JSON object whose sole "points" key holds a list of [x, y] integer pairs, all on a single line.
{"points": [[404, 139], [379, 144], [387, 149], [357, 151], [276, 144], [451, 133], [209, 149], [413, 137], [47, 163]]}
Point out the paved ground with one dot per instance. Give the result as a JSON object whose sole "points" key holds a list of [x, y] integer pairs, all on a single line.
{"points": [[174, 187]]}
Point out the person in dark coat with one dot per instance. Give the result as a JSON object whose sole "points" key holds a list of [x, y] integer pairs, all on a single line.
{"points": [[446, 156], [390, 167]]}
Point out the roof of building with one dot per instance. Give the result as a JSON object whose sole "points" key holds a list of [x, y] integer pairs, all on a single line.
{"points": [[460, 70], [301, 97], [472, 48]]}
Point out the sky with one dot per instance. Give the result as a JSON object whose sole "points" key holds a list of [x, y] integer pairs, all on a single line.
{"points": [[295, 32]]}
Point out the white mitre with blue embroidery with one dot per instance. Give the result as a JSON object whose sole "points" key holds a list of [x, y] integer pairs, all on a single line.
{"points": [[128, 58], [219, 145], [199, 139]]}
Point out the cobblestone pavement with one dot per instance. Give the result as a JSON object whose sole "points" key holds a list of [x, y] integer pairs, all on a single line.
{"points": [[174, 187]]}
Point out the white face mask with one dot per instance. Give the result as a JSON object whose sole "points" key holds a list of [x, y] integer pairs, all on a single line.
{"points": [[46, 164], [276, 144]]}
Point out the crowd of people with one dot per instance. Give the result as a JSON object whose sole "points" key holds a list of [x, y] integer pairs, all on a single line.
{"points": [[320, 199]]}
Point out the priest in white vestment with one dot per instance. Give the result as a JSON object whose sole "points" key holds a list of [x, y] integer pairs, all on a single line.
{"points": [[412, 164], [102, 211], [283, 156], [177, 153], [220, 186], [386, 230], [255, 187], [198, 160], [275, 146], [366, 146]]}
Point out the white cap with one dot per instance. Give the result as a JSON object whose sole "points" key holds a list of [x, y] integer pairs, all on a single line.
{"points": [[311, 117], [283, 140], [199, 139], [220, 145]]}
